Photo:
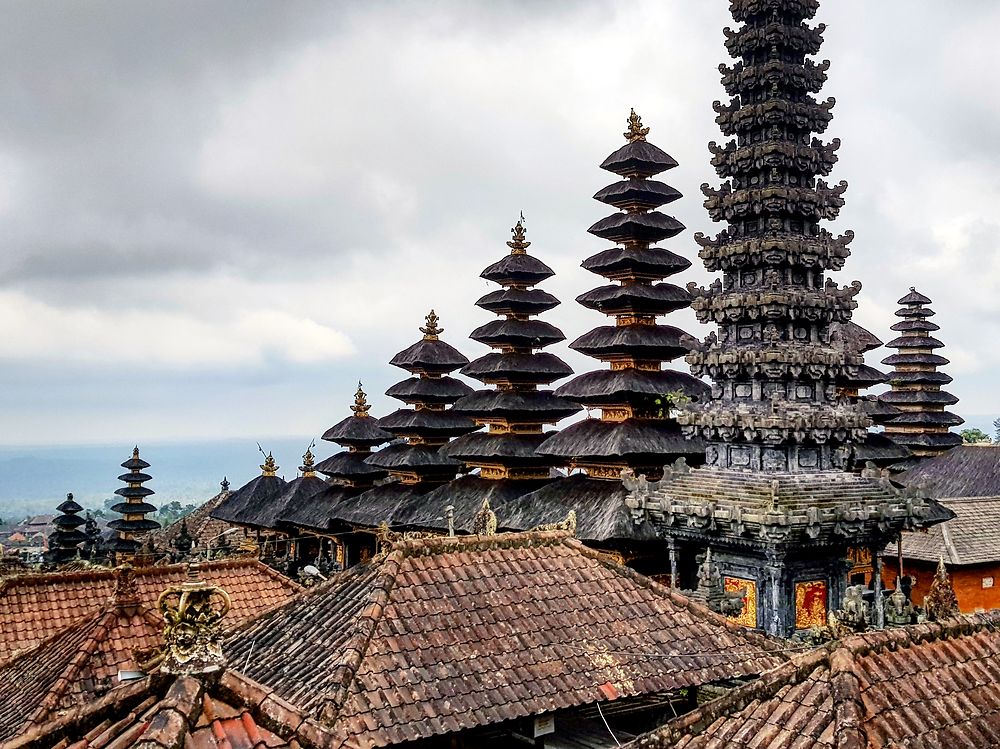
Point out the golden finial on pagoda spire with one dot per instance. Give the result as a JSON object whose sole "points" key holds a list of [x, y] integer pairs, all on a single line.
{"points": [[360, 407], [517, 244], [308, 466], [135, 451], [635, 129], [431, 330], [268, 467]]}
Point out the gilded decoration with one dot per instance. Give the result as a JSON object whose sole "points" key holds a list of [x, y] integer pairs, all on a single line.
{"points": [[517, 244], [810, 604], [748, 616], [431, 330], [360, 407], [635, 130]]}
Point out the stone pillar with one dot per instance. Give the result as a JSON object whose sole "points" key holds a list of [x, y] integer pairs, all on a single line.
{"points": [[776, 613], [877, 587], [672, 547]]}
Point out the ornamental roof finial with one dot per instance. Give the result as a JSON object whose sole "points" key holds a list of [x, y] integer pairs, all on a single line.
{"points": [[636, 131], [517, 244], [360, 407], [269, 467], [941, 601], [308, 466], [192, 636], [431, 330]]}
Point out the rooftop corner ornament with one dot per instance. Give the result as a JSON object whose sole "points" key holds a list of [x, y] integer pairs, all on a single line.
{"points": [[192, 636]]}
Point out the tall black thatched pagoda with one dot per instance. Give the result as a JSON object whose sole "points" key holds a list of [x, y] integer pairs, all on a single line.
{"points": [[133, 524], [635, 394], [64, 542], [414, 461], [775, 501], [515, 409], [923, 425]]}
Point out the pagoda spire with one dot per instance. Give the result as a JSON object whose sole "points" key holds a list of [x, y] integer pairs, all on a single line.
{"points": [[133, 524], [515, 409], [64, 542], [415, 463], [923, 424], [636, 395], [358, 434]]}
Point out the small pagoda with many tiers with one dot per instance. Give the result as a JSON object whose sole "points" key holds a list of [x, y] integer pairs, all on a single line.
{"points": [[64, 542], [133, 524], [504, 460], [922, 424], [635, 395], [775, 502], [414, 461]]}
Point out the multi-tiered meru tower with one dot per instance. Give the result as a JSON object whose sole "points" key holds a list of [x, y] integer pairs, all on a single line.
{"points": [[923, 425], [133, 524], [515, 409], [775, 502], [635, 395], [64, 542]]}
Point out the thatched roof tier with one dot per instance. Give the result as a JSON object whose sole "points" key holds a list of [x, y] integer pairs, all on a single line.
{"points": [[918, 377], [645, 442], [504, 449], [609, 387], [350, 466], [877, 410], [429, 390], [918, 324], [251, 499], [918, 397], [966, 471], [932, 360], [377, 505], [863, 376], [928, 418], [880, 450], [419, 459], [298, 492], [637, 194], [539, 368], [516, 406], [637, 228], [640, 263], [521, 269], [430, 356], [524, 334], [406, 422], [316, 511], [515, 301], [358, 432], [636, 298], [132, 508], [638, 159], [465, 495], [641, 342], [914, 342]]}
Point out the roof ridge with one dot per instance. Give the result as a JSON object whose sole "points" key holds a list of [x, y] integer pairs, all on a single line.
{"points": [[848, 708], [428, 545], [356, 646], [961, 625], [949, 545]]}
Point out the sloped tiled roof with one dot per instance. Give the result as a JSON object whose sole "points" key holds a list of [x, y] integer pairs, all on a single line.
{"points": [[35, 607], [972, 537], [445, 634], [922, 687], [159, 711], [963, 471], [78, 664]]}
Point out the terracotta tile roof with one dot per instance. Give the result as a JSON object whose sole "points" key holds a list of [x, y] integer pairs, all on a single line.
{"points": [[973, 537], [963, 471], [80, 663], [219, 710], [445, 634], [35, 607], [923, 687]]}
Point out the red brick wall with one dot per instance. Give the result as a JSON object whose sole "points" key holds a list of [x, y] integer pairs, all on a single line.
{"points": [[968, 583]]}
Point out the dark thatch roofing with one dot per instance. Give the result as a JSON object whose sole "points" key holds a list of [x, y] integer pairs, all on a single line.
{"points": [[519, 268], [650, 342], [538, 368], [360, 431], [415, 457], [617, 386], [638, 159], [601, 513], [429, 355], [965, 471], [377, 505], [627, 441], [250, 500], [517, 405], [432, 390], [425, 423], [466, 495], [640, 298], [316, 510], [517, 301], [644, 194], [880, 450], [298, 491], [449, 634], [509, 449], [628, 228], [646, 262], [351, 466], [511, 332]]}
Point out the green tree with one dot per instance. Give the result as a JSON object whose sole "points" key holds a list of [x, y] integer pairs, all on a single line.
{"points": [[972, 436]]}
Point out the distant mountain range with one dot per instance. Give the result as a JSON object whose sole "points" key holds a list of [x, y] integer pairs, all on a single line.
{"points": [[33, 480]]}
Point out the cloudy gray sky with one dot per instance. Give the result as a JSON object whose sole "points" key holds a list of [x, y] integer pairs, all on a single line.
{"points": [[216, 217]]}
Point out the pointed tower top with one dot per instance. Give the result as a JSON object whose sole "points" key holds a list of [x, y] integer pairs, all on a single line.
{"points": [[360, 407], [308, 466], [635, 131], [225, 484], [268, 467], [431, 330], [941, 601], [517, 244]]}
